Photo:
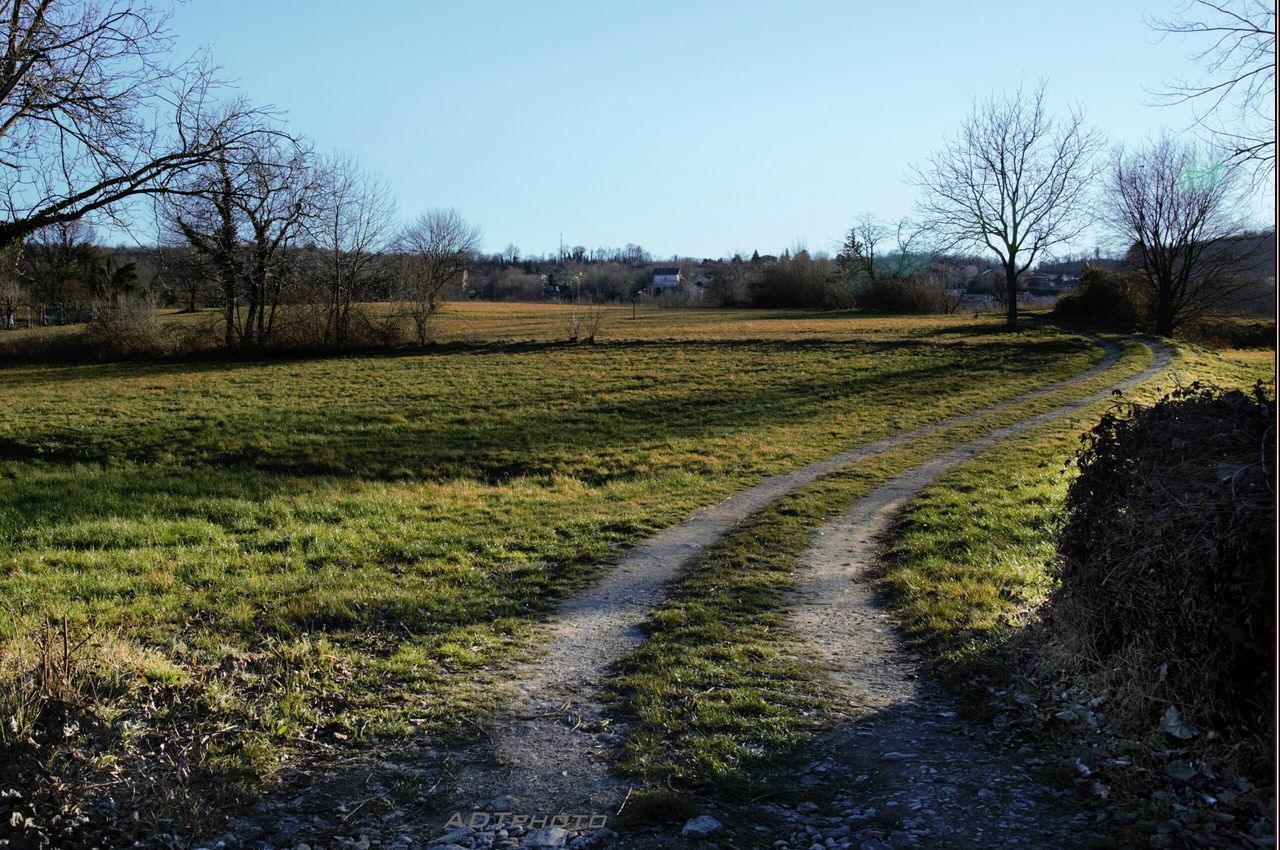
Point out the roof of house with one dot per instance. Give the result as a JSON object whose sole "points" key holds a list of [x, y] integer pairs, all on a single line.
{"points": [[667, 270]]}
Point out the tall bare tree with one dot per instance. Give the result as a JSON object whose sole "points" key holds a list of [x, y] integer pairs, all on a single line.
{"points": [[81, 86], [352, 223], [241, 215], [862, 252], [182, 272], [438, 246], [1234, 96], [858, 252], [57, 262], [1175, 208], [1013, 180], [13, 293]]}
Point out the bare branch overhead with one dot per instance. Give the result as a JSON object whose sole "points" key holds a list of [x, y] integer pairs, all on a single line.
{"points": [[1234, 94], [92, 113]]}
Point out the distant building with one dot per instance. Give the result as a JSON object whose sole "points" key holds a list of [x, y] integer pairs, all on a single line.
{"points": [[666, 278], [1051, 283]]}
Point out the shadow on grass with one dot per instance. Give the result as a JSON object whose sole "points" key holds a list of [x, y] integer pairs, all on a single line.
{"points": [[595, 438]]}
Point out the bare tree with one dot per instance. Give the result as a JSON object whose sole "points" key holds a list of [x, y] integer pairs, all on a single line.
{"points": [[1176, 212], [352, 224], [12, 293], [81, 84], [1013, 181], [857, 254], [862, 252], [1234, 97], [241, 215], [731, 281], [183, 273], [585, 316], [58, 262], [439, 246], [634, 255], [910, 256], [511, 254]]}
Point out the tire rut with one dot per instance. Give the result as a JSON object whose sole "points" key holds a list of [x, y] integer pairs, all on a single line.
{"points": [[550, 748], [908, 759]]}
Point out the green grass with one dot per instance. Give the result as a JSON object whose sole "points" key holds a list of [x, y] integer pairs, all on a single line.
{"points": [[972, 562], [392, 526], [719, 687], [722, 693], [282, 555], [973, 554]]}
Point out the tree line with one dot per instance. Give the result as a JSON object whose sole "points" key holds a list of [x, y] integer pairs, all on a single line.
{"points": [[95, 121], [291, 245], [1020, 183]]}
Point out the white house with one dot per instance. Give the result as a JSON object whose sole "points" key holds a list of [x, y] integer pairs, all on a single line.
{"points": [[666, 278]]}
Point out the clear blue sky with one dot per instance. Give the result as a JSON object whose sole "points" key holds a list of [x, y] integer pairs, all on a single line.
{"points": [[696, 127]]}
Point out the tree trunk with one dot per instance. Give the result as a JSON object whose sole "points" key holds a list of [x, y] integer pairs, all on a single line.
{"points": [[1011, 292], [1164, 314], [420, 325], [230, 318]]}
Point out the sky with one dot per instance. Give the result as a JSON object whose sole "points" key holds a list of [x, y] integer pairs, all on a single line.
{"points": [[697, 128]]}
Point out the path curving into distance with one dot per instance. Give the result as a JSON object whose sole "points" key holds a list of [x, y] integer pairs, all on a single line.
{"points": [[907, 758], [549, 749]]}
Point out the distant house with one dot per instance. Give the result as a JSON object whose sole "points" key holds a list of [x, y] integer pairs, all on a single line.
{"points": [[665, 278]]}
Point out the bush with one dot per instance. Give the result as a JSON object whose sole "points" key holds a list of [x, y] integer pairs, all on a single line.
{"points": [[127, 330], [1119, 301], [799, 281], [922, 294], [1168, 559], [305, 327]]}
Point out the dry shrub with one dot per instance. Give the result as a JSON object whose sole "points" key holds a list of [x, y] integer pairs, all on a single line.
{"points": [[926, 293], [802, 280], [299, 327], [126, 331], [1168, 560], [583, 322], [55, 689], [38, 679], [1108, 299], [306, 327], [373, 328], [105, 743], [202, 333]]}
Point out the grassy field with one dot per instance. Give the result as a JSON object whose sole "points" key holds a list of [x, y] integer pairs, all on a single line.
{"points": [[279, 559], [722, 693], [722, 696], [486, 323], [308, 552]]}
